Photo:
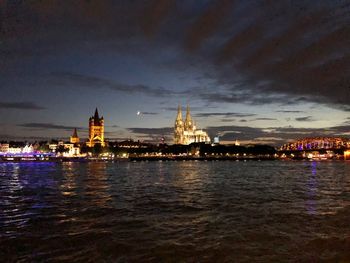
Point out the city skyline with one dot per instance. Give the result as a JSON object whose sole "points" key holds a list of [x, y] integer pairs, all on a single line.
{"points": [[258, 72]]}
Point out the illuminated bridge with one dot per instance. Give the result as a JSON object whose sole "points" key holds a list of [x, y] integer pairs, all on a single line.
{"points": [[317, 143]]}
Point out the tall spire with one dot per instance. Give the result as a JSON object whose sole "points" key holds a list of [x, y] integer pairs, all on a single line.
{"points": [[96, 117], [188, 115], [179, 113], [74, 138], [188, 121], [75, 133], [179, 127]]}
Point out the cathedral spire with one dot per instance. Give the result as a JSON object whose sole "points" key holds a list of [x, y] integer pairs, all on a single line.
{"points": [[179, 127], [188, 121], [179, 113], [188, 115]]}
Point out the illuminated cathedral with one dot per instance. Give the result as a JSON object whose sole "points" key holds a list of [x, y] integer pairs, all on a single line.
{"points": [[186, 132], [96, 130]]}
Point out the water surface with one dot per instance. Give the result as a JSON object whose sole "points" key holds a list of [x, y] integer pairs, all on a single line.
{"points": [[175, 211]]}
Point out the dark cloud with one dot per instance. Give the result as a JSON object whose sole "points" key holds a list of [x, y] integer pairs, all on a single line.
{"points": [[272, 45], [153, 134], [79, 80], [235, 132], [265, 119], [290, 111], [228, 120], [294, 133], [239, 42], [340, 130], [280, 134], [21, 105], [152, 131], [245, 120], [223, 114], [207, 23], [148, 113], [307, 118], [302, 56], [194, 108], [51, 126], [250, 97], [154, 14], [318, 72], [319, 50], [73, 18], [298, 49]]}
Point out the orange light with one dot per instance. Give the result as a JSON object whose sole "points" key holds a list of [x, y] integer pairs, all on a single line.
{"points": [[347, 155]]}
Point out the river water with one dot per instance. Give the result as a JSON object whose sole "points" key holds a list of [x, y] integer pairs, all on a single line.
{"points": [[272, 211]]}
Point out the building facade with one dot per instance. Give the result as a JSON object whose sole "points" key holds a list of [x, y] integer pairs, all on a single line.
{"points": [[4, 147], [186, 132], [96, 130], [347, 155]]}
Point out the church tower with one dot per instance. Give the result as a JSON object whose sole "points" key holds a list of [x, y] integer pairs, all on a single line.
{"points": [[96, 130], [179, 127], [74, 138], [189, 125]]}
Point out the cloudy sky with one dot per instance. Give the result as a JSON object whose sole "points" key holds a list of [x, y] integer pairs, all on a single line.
{"points": [[263, 71]]}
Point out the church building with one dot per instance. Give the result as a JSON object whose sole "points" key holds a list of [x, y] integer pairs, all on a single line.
{"points": [[96, 130], [186, 132], [75, 138]]}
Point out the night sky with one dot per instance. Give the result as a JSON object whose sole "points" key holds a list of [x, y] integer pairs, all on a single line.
{"points": [[263, 71]]}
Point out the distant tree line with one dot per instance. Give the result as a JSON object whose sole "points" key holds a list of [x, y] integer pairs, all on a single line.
{"points": [[202, 148]]}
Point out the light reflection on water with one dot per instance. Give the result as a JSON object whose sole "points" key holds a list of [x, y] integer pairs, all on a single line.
{"points": [[312, 189], [175, 211]]}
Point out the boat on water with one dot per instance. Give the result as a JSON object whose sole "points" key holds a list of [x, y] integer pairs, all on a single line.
{"points": [[16, 158], [35, 157]]}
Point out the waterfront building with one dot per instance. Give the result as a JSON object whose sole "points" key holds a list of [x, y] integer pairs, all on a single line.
{"points": [[14, 150], [71, 150], [347, 155], [186, 132], [96, 130], [53, 147], [28, 149], [65, 149], [4, 147], [75, 138]]}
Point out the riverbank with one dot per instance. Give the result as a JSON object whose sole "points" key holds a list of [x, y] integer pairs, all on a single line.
{"points": [[160, 158]]}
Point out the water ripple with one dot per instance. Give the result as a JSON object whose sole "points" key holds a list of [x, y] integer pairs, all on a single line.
{"points": [[175, 211]]}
